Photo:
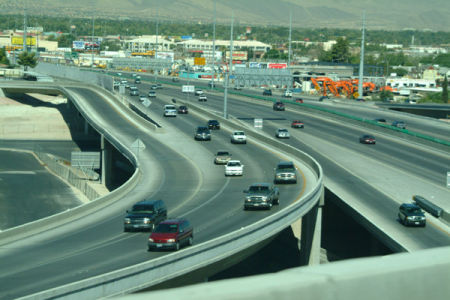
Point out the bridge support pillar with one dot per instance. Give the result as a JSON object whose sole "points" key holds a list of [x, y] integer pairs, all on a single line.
{"points": [[2, 94], [86, 127], [106, 172], [311, 231]]}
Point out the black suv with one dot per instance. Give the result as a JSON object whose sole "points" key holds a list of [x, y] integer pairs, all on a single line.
{"points": [[213, 124], [278, 106], [411, 214], [145, 215], [267, 92], [202, 134]]}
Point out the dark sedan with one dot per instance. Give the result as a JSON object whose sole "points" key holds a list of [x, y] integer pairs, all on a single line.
{"points": [[182, 109], [267, 92], [367, 139], [213, 124], [279, 106]]}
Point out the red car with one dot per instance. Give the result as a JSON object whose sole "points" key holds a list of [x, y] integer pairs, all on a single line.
{"points": [[171, 234], [299, 100], [297, 124]]}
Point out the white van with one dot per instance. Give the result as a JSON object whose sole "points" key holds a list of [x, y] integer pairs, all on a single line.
{"points": [[170, 110]]}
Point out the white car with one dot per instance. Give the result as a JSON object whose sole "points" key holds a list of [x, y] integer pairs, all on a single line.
{"points": [[234, 167], [282, 133], [198, 92], [287, 94], [202, 98], [170, 110], [238, 137], [142, 98]]}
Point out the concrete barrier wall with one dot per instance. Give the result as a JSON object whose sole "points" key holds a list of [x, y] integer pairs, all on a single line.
{"points": [[413, 276], [75, 73]]}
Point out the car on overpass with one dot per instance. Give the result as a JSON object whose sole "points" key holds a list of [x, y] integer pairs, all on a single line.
{"points": [[279, 106], [222, 157], [285, 172], [410, 214], [213, 124], [145, 215], [198, 92], [267, 92], [202, 134], [238, 137], [234, 167], [183, 109], [202, 98], [367, 139], [282, 133], [399, 124], [171, 234], [261, 195], [170, 110], [297, 124]]}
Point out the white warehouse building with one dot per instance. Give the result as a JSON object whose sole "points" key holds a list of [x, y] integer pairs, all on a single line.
{"points": [[194, 44], [147, 43]]}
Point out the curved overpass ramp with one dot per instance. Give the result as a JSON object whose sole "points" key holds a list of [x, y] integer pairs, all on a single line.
{"points": [[67, 231]]}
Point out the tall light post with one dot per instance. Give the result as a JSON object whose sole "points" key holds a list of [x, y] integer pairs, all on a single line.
{"points": [[214, 46], [361, 60], [92, 45], [24, 31], [289, 53], [227, 76], [156, 50]]}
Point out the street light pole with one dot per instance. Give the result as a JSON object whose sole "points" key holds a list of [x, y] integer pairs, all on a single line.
{"points": [[92, 45], [214, 46], [225, 100], [361, 60]]}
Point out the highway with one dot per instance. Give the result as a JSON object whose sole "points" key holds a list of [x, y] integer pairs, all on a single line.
{"points": [[426, 165], [97, 244], [184, 176]]}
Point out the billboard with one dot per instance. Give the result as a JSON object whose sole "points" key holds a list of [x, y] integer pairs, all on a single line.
{"points": [[277, 66], [18, 40], [199, 61], [78, 45], [237, 55], [186, 37], [254, 65]]}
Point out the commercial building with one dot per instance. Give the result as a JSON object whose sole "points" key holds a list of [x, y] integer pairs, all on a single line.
{"points": [[147, 43]]}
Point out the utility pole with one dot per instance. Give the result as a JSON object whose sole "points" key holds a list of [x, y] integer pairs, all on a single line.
{"points": [[361, 60], [227, 77], [289, 53], [156, 50], [214, 46], [92, 45], [24, 31]]}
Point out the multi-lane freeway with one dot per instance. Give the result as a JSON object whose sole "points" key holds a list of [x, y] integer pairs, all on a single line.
{"points": [[193, 187]]}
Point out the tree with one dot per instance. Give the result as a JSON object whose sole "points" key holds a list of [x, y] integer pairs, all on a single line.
{"points": [[445, 90], [3, 59], [27, 59], [340, 51]]}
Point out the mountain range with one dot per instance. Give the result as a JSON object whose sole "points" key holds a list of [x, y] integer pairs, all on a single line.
{"points": [[431, 15]]}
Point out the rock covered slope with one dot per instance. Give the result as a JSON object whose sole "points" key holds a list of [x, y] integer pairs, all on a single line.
{"points": [[381, 14]]}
